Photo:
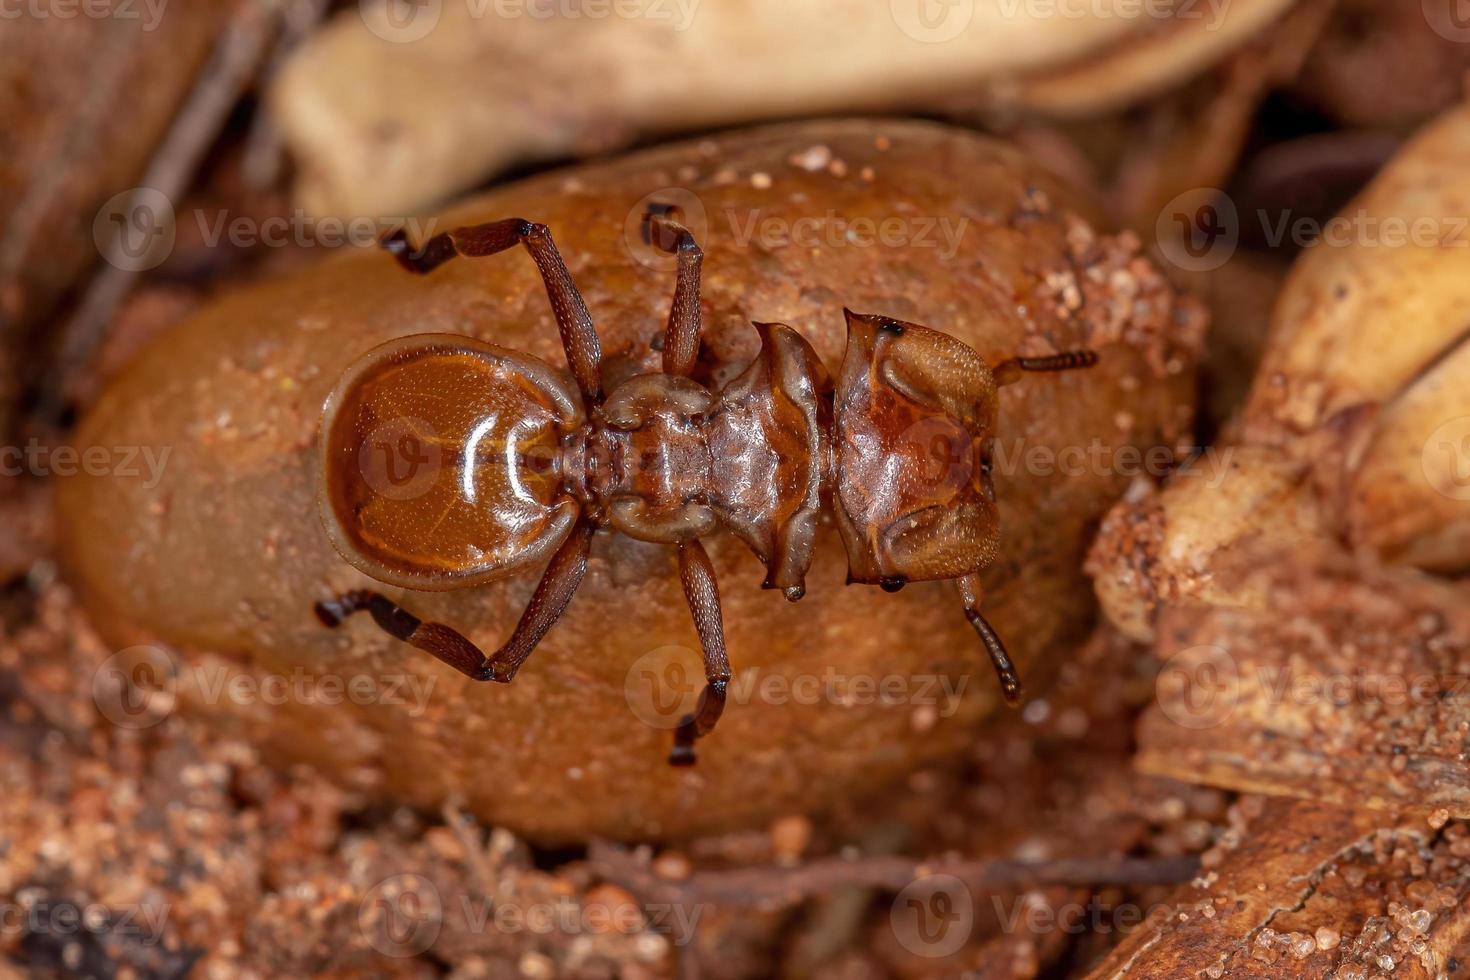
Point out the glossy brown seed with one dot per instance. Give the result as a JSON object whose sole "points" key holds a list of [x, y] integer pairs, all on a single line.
{"points": [[224, 554]]}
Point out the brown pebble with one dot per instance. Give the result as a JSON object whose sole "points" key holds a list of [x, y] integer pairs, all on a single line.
{"points": [[673, 865], [790, 837], [609, 908]]}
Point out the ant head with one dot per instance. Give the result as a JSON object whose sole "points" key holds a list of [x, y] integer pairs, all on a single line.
{"points": [[441, 462]]}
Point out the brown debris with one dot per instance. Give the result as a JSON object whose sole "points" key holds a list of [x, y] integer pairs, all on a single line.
{"points": [[85, 100], [1348, 686], [207, 860], [1301, 891]]}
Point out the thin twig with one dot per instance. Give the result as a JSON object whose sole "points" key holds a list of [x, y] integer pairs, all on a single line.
{"points": [[468, 835], [264, 152], [221, 83], [769, 886]]}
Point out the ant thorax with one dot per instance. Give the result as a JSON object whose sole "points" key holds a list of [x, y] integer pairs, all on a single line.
{"points": [[896, 448]]}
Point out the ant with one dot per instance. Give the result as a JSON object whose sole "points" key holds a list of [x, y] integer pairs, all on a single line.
{"points": [[540, 464]]}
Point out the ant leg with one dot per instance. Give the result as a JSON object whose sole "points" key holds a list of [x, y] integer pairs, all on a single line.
{"points": [[1010, 371], [578, 336], [547, 604], [1010, 681], [552, 596], [447, 644], [703, 595], [681, 337]]}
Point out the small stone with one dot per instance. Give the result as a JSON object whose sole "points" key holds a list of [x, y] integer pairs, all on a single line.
{"points": [[672, 865], [790, 837], [812, 159], [536, 966], [1327, 938], [622, 912]]}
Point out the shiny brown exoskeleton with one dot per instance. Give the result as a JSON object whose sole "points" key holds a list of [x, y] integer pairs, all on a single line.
{"points": [[447, 462]]}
